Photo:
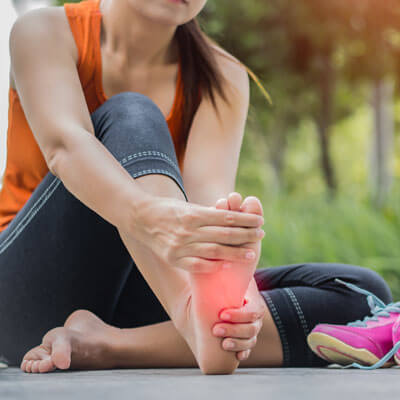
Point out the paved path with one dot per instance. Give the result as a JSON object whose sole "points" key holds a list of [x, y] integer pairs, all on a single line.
{"points": [[189, 384]]}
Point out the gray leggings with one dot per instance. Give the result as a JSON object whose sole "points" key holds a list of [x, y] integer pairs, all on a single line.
{"points": [[57, 255]]}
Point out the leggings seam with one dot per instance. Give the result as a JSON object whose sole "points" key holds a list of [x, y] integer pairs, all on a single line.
{"points": [[160, 171], [30, 214], [299, 311], [281, 329], [157, 155], [300, 314]]}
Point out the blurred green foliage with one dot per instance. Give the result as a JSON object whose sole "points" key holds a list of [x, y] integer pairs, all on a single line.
{"points": [[319, 60]]}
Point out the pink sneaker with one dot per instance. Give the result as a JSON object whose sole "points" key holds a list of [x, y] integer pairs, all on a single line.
{"points": [[396, 340], [366, 344]]}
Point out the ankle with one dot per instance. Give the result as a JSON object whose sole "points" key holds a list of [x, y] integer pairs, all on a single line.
{"points": [[117, 346]]}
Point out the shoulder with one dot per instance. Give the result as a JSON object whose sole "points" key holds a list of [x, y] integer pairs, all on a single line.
{"points": [[44, 29]]}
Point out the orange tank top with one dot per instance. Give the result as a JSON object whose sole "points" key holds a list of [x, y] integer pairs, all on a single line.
{"points": [[25, 164]]}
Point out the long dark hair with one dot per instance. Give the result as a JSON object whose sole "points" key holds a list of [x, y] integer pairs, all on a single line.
{"points": [[200, 72]]}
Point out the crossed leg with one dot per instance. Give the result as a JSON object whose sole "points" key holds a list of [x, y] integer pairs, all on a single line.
{"points": [[192, 301], [86, 342]]}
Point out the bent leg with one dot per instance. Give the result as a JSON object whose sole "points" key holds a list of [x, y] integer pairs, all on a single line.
{"points": [[57, 255], [180, 293], [304, 295]]}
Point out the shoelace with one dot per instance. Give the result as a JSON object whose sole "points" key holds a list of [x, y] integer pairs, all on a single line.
{"points": [[378, 309]]}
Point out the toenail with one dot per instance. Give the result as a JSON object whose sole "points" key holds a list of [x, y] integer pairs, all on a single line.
{"points": [[250, 255]]}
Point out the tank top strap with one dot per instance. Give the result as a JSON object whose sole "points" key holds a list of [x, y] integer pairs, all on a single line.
{"points": [[84, 21]]}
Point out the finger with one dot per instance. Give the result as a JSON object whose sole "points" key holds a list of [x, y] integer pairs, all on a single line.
{"points": [[210, 216], [220, 252], [235, 201], [241, 315], [237, 331], [243, 355], [238, 344], [200, 265], [228, 236]]}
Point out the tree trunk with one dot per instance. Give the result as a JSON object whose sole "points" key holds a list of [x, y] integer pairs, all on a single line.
{"points": [[327, 86], [382, 140]]}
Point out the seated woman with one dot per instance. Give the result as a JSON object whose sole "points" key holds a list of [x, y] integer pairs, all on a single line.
{"points": [[122, 235]]}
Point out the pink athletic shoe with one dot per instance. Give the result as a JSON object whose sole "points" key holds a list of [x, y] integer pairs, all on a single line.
{"points": [[396, 339], [366, 344]]}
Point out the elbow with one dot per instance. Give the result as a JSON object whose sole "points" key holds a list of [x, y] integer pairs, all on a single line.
{"points": [[53, 162]]}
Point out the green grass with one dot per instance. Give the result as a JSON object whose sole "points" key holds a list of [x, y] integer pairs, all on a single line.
{"points": [[313, 229]]}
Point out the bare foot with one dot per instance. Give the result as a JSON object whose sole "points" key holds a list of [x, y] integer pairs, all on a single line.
{"points": [[239, 274], [79, 344], [226, 288]]}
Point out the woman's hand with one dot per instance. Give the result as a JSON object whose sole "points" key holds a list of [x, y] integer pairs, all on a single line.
{"points": [[240, 327], [194, 237]]}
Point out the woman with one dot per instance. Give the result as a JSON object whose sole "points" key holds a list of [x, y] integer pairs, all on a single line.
{"points": [[109, 90]]}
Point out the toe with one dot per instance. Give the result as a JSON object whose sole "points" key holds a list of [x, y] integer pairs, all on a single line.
{"points": [[28, 366], [252, 205], [23, 365], [235, 200], [37, 360], [46, 366], [61, 352], [222, 204], [35, 366]]}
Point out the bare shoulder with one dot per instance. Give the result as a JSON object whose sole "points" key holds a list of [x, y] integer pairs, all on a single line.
{"points": [[234, 72], [44, 28]]}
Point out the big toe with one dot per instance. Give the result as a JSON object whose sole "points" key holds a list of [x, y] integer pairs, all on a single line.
{"points": [[252, 205], [235, 200], [61, 353], [59, 341]]}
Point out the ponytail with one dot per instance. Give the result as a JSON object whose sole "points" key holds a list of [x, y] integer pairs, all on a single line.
{"points": [[200, 72]]}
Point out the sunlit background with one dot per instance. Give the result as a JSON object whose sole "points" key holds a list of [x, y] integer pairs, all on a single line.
{"points": [[324, 158]]}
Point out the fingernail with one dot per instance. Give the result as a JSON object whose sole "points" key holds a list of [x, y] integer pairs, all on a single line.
{"points": [[260, 233], [229, 345], [250, 255], [226, 265], [220, 331], [226, 316]]}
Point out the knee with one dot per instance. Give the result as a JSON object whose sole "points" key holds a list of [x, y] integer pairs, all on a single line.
{"points": [[135, 108], [129, 112], [370, 280], [132, 122]]}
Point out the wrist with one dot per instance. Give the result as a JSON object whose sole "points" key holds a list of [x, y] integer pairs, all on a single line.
{"points": [[134, 203]]}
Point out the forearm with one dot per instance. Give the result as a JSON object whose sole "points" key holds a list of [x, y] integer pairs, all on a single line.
{"points": [[92, 174], [208, 197]]}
